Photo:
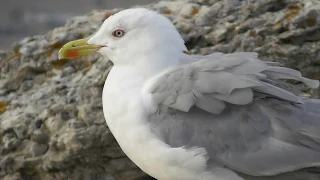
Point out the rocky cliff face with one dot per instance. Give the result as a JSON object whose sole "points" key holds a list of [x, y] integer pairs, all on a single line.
{"points": [[51, 121]]}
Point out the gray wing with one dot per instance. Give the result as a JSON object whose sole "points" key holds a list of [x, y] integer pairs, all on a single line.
{"points": [[237, 109], [217, 79]]}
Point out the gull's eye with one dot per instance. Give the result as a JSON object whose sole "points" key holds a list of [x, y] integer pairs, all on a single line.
{"points": [[118, 33]]}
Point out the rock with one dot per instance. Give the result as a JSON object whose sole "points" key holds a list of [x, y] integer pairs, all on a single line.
{"points": [[51, 120], [189, 10], [38, 149], [39, 136]]}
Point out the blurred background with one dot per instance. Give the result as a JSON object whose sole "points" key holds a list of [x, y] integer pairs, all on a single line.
{"points": [[21, 18]]}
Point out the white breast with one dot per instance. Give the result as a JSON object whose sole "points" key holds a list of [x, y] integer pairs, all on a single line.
{"points": [[125, 112]]}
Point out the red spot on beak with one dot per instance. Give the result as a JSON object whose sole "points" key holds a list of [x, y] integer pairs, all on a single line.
{"points": [[72, 54]]}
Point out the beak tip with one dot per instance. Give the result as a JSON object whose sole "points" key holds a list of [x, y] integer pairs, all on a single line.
{"points": [[60, 56], [60, 52]]}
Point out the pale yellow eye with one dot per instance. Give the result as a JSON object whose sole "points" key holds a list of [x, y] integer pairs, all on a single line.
{"points": [[118, 33]]}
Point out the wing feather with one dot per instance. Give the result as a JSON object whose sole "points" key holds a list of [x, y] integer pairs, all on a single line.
{"points": [[230, 78], [256, 122], [210, 104], [238, 96]]}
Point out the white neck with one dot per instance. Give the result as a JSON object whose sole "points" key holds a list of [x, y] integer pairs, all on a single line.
{"points": [[125, 81], [146, 66]]}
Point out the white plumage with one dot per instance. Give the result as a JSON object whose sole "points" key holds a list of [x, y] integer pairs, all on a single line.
{"points": [[221, 116]]}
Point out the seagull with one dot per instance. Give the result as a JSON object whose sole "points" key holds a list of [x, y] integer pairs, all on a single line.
{"points": [[180, 116]]}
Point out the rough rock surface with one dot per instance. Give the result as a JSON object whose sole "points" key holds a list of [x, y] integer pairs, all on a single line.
{"points": [[51, 121]]}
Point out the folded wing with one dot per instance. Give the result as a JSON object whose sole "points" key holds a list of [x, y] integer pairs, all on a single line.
{"points": [[219, 78], [256, 123]]}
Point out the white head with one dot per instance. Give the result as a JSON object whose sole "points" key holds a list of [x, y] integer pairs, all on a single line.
{"points": [[138, 31], [133, 33]]}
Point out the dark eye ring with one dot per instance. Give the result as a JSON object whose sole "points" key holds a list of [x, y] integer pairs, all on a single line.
{"points": [[118, 33]]}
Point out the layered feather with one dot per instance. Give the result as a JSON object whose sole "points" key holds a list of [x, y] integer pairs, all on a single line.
{"points": [[211, 81]]}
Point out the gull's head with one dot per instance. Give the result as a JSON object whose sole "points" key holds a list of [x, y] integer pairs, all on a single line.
{"points": [[127, 34]]}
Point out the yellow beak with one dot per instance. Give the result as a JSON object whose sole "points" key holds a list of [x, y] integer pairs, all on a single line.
{"points": [[77, 48]]}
